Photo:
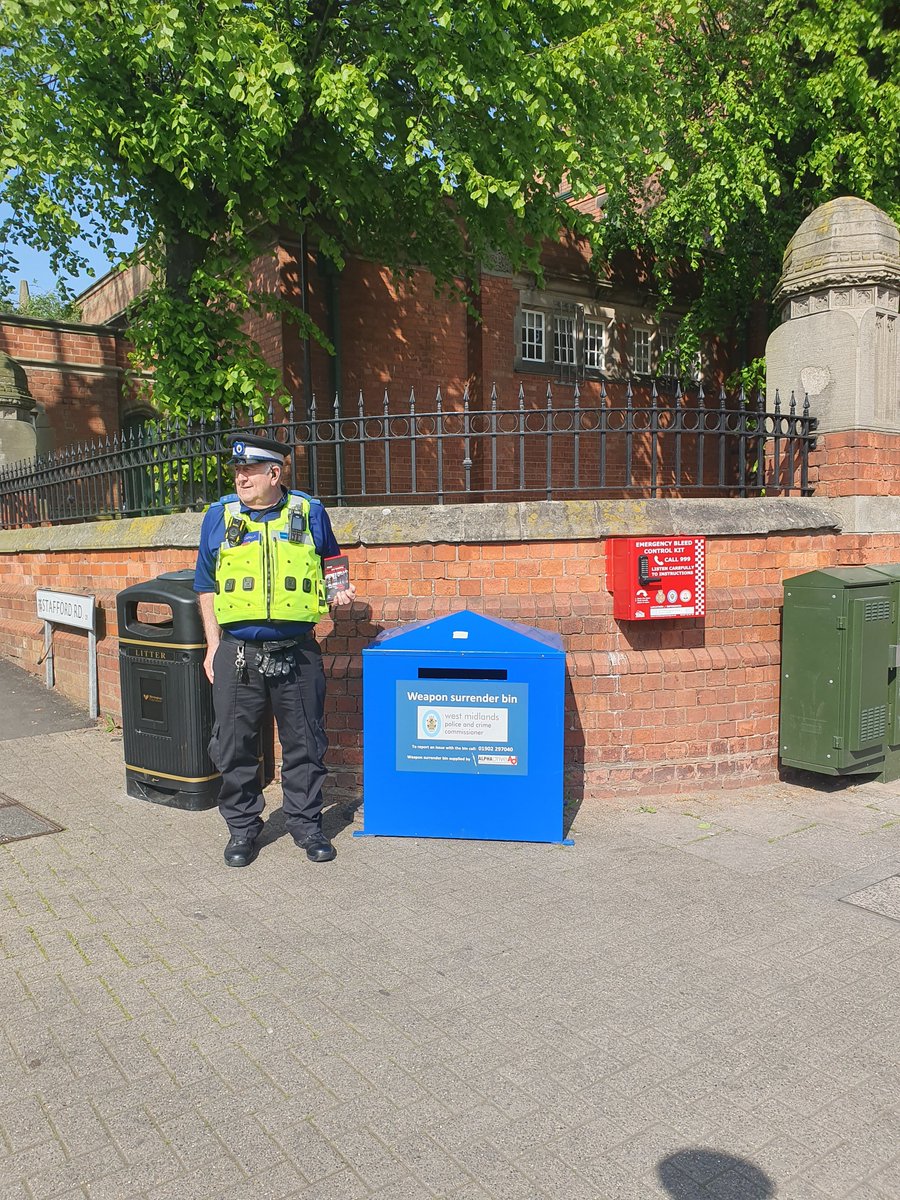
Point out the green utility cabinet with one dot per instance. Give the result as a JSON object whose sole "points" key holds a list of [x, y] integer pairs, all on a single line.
{"points": [[891, 768], [838, 652]]}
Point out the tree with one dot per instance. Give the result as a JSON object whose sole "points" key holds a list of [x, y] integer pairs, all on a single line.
{"points": [[53, 305], [424, 131], [783, 104]]}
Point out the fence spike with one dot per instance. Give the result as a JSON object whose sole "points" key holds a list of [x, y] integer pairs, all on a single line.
{"points": [[466, 398], [603, 391], [312, 408], [654, 394], [701, 394], [679, 394], [723, 399], [360, 407], [412, 400], [576, 395], [793, 408], [806, 404], [439, 400], [494, 396], [777, 402], [336, 407], [521, 396], [385, 402]]}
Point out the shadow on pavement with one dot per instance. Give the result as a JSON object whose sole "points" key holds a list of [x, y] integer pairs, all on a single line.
{"points": [[32, 710], [688, 1174], [336, 816]]}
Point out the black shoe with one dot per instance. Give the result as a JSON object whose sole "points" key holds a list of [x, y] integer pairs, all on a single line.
{"points": [[317, 847], [240, 852]]}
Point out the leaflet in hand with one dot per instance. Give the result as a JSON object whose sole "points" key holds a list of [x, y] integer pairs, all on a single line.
{"points": [[337, 576]]}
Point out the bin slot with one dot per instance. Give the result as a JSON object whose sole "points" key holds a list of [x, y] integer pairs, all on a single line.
{"points": [[460, 673], [151, 618]]}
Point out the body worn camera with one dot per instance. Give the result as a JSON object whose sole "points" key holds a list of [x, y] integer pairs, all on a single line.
{"points": [[297, 527], [234, 534]]}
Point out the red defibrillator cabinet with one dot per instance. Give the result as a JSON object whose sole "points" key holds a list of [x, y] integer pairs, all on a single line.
{"points": [[657, 578]]}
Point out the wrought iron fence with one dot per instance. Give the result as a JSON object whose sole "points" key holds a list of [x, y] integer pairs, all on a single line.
{"points": [[616, 439]]}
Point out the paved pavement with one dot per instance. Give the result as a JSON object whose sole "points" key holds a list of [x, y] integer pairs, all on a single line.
{"points": [[681, 1005], [29, 708]]}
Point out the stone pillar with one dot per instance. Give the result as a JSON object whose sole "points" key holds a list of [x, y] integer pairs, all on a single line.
{"points": [[839, 343], [18, 438]]}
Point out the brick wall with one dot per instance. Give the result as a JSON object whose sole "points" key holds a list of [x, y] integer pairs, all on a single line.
{"points": [[73, 375], [667, 702], [857, 462]]}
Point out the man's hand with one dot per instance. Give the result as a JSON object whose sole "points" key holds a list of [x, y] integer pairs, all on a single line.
{"points": [[346, 596], [206, 601]]}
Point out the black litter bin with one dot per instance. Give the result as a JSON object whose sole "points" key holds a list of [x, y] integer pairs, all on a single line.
{"points": [[167, 705], [167, 708]]}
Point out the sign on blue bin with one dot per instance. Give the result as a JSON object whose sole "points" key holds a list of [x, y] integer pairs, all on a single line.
{"points": [[463, 731]]}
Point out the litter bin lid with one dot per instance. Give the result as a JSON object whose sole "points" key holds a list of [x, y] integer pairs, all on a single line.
{"points": [[186, 576]]}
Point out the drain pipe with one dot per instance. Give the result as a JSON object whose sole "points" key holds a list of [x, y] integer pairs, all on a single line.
{"points": [[332, 277], [307, 340]]}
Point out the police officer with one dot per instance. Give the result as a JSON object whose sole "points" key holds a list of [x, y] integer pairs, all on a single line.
{"points": [[260, 586]]}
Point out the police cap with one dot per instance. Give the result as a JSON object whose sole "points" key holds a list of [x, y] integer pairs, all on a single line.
{"points": [[253, 448]]}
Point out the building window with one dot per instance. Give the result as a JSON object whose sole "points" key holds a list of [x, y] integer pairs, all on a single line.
{"points": [[640, 351], [532, 336], [562, 337], [564, 341], [667, 359], [594, 345]]}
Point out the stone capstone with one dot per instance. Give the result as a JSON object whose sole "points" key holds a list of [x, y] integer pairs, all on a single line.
{"points": [[847, 244]]}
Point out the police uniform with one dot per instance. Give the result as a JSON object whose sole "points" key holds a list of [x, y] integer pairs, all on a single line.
{"points": [[264, 568]]}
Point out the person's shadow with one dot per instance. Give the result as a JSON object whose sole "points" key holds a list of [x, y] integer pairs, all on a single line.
{"points": [[336, 816], [700, 1174]]}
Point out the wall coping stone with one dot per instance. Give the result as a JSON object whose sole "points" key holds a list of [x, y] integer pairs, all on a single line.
{"points": [[547, 520]]}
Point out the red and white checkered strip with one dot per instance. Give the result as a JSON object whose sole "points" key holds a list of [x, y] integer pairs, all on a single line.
{"points": [[700, 577]]}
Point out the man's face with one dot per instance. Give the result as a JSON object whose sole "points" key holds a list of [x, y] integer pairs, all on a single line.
{"points": [[257, 484]]}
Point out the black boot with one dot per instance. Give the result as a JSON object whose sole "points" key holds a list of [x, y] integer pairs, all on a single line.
{"points": [[240, 851], [317, 847]]}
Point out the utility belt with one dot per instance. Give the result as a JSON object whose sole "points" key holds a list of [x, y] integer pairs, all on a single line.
{"points": [[274, 658]]}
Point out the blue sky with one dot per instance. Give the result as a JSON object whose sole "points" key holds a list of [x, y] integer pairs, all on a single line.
{"points": [[34, 266]]}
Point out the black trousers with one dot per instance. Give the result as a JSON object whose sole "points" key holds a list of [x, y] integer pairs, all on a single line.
{"points": [[298, 702]]}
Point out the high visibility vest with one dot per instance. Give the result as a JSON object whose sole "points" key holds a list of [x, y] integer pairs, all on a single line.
{"points": [[268, 570]]}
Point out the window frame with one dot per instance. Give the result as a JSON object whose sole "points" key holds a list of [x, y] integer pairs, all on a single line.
{"points": [[646, 332], [524, 314]]}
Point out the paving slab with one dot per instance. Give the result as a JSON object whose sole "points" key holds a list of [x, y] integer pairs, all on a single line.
{"points": [[30, 709], [696, 1000]]}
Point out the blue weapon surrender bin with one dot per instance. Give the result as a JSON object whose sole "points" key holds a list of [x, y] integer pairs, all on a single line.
{"points": [[463, 731]]}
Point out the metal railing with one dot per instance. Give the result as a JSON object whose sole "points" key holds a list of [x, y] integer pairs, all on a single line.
{"points": [[628, 440]]}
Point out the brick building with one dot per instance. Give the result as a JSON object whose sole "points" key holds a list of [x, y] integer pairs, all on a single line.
{"points": [[582, 324]]}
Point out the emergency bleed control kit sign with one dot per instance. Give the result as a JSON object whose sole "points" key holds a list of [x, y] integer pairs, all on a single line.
{"points": [[462, 727], [657, 578]]}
